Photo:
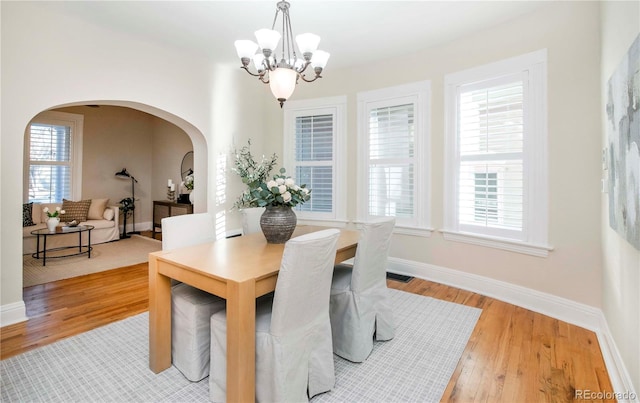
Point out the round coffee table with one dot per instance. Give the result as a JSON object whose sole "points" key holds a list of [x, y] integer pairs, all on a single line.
{"points": [[45, 233]]}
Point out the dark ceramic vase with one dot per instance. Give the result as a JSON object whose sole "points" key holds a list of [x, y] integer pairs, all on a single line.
{"points": [[278, 223]]}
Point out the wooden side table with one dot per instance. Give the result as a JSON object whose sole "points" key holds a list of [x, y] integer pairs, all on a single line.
{"points": [[165, 208]]}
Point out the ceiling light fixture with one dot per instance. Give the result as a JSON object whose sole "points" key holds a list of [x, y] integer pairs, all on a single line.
{"points": [[282, 75]]}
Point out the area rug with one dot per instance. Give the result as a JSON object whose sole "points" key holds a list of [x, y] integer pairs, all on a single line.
{"points": [[111, 363], [104, 256]]}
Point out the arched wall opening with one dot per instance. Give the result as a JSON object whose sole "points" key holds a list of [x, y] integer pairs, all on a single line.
{"points": [[152, 159], [198, 141]]}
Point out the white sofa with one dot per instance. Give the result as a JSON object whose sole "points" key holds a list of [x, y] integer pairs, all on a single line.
{"points": [[107, 229]]}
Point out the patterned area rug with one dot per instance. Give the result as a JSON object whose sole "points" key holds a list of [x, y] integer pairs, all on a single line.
{"points": [[104, 256], [111, 363]]}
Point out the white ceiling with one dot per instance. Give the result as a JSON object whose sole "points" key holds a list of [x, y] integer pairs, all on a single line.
{"points": [[353, 32]]}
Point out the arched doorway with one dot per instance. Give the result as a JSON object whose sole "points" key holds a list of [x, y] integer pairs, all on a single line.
{"points": [[147, 141]]}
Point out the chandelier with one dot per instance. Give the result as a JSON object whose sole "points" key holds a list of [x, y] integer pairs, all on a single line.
{"points": [[282, 74]]}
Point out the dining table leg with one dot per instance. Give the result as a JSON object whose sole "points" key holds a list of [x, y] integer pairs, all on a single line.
{"points": [[159, 318], [241, 341]]}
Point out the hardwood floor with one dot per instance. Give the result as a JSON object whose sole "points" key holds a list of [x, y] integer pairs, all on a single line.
{"points": [[513, 355]]}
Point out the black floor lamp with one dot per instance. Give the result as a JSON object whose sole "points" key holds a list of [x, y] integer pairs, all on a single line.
{"points": [[126, 175]]}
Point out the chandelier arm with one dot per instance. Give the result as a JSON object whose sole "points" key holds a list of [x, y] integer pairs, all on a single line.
{"points": [[304, 67], [245, 68], [310, 81]]}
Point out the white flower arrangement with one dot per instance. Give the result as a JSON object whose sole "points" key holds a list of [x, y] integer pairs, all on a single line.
{"points": [[188, 181], [54, 213], [280, 191], [261, 191]]}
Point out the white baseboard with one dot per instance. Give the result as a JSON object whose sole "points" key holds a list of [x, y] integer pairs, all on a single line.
{"points": [[140, 226], [620, 378], [572, 312], [13, 313]]}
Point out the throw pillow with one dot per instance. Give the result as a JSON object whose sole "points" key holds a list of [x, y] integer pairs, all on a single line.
{"points": [[96, 210], [27, 219], [75, 210], [108, 214]]}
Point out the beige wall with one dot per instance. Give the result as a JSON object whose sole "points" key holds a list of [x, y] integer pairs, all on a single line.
{"points": [[621, 277], [570, 32], [169, 145]]}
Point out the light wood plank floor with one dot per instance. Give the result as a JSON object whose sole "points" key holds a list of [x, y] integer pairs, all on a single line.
{"points": [[514, 355]]}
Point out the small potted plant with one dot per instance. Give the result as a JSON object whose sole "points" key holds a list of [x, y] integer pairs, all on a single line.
{"points": [[126, 206], [53, 217]]}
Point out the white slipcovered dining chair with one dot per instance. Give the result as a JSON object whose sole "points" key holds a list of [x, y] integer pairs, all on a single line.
{"points": [[191, 308], [294, 357], [360, 307], [251, 219]]}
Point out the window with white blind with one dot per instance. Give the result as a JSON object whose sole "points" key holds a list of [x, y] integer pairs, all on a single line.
{"points": [[496, 155], [314, 155], [393, 143], [53, 144]]}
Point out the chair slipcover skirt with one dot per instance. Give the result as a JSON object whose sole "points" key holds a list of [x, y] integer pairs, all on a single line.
{"points": [[356, 317], [191, 309], [360, 306], [294, 354]]}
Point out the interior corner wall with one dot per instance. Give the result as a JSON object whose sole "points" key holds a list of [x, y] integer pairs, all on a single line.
{"points": [[621, 276], [570, 32]]}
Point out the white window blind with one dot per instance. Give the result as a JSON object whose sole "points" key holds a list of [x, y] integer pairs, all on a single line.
{"points": [[53, 157], [315, 152], [50, 163], [314, 160], [496, 191], [393, 156], [491, 145], [391, 161]]}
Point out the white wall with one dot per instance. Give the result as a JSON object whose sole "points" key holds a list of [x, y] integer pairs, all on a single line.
{"points": [[86, 64], [621, 276], [570, 32]]}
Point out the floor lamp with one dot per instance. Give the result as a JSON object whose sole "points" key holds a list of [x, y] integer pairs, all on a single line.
{"points": [[126, 175]]}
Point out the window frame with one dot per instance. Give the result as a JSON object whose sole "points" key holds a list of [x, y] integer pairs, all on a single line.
{"points": [[533, 239], [76, 123], [418, 93], [336, 106]]}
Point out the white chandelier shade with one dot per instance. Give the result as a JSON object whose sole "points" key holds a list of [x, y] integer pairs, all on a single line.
{"points": [[282, 82], [282, 71]]}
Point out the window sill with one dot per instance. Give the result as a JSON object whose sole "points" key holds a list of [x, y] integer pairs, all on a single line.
{"points": [[498, 243], [406, 230], [323, 222]]}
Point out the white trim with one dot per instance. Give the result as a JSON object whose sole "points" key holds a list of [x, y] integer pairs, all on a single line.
{"points": [[323, 223], [498, 243], [535, 154], [338, 107], [618, 374], [563, 309], [15, 312], [76, 122], [419, 93], [404, 229]]}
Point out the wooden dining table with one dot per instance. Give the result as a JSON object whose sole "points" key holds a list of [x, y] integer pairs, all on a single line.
{"points": [[239, 269]]}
